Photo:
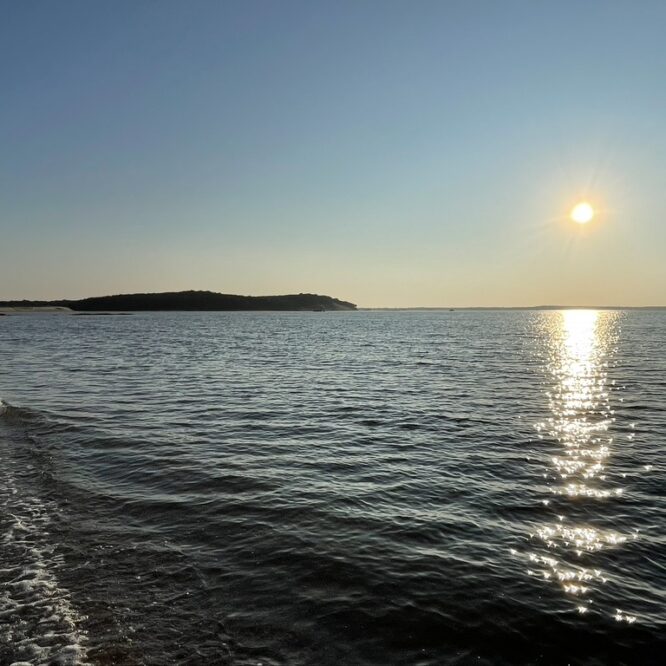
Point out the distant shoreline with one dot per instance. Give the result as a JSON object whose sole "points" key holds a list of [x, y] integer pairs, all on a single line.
{"points": [[199, 301], [66, 311], [208, 301], [521, 307]]}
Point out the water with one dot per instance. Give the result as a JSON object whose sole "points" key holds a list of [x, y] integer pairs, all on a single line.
{"points": [[339, 488]]}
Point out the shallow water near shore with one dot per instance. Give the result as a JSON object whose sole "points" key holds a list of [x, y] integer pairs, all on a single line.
{"points": [[323, 488]]}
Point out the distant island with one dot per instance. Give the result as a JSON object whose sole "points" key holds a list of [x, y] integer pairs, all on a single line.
{"points": [[191, 301]]}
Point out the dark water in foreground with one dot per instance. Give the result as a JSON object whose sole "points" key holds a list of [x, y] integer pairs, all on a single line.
{"points": [[339, 488]]}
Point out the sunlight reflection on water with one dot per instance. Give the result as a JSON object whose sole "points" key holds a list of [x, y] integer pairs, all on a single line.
{"points": [[581, 344]]}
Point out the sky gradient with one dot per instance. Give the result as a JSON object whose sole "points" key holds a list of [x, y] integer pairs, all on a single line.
{"points": [[392, 154]]}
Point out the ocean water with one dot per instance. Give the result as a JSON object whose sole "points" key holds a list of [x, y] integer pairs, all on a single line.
{"points": [[333, 488]]}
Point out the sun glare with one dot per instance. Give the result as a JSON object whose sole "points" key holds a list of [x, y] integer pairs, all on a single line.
{"points": [[582, 212]]}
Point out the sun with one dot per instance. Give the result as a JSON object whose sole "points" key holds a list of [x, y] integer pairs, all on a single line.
{"points": [[582, 212]]}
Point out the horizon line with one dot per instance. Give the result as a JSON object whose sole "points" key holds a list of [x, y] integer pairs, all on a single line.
{"points": [[517, 307], [542, 306]]}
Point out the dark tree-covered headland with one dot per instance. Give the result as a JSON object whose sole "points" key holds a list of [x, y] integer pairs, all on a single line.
{"points": [[192, 300]]}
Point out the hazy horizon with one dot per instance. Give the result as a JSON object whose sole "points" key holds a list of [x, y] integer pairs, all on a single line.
{"points": [[534, 306], [384, 153]]}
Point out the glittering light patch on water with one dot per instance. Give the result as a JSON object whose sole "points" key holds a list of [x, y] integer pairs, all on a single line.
{"points": [[621, 616], [573, 579], [581, 490], [588, 539], [581, 420]]}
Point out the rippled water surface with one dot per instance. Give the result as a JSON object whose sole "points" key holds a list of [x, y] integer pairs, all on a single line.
{"points": [[333, 488]]}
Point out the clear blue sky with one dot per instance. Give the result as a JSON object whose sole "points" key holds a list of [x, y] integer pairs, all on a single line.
{"points": [[389, 153]]}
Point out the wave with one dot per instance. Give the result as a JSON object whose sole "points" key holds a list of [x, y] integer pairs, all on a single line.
{"points": [[11, 414], [39, 622]]}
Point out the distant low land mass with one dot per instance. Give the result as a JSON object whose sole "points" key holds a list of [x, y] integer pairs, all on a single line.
{"points": [[189, 300]]}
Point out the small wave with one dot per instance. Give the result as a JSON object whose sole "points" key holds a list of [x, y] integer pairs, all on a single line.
{"points": [[11, 413], [38, 621]]}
